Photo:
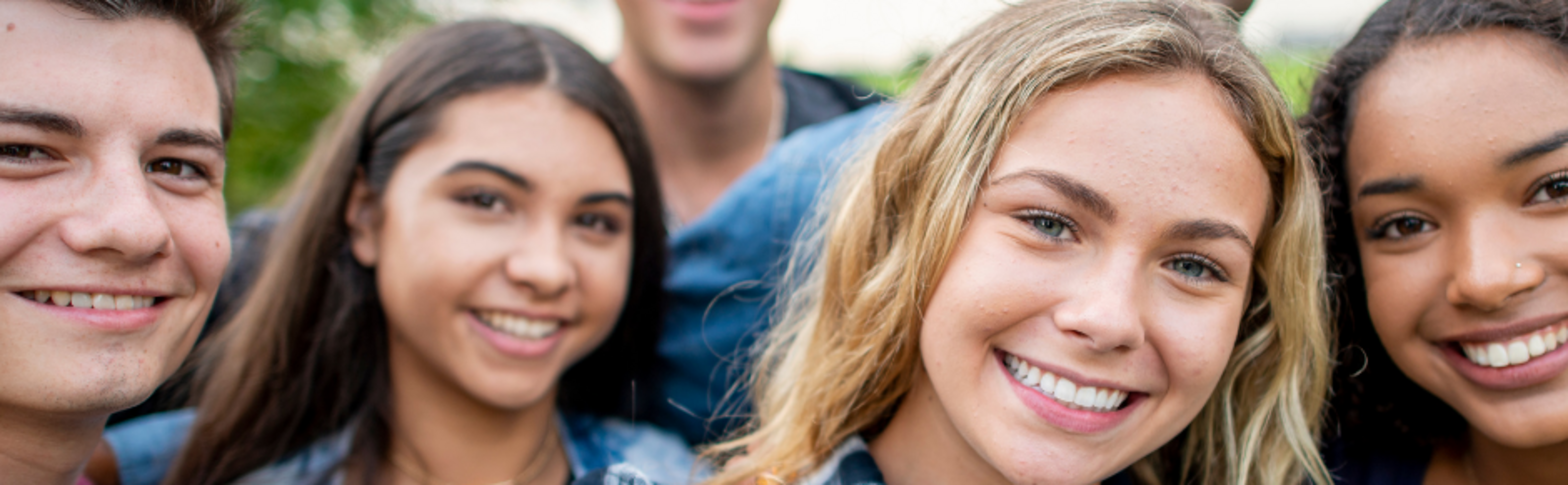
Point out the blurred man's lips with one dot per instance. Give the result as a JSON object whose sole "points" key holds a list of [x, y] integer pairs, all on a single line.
{"points": [[702, 10]]}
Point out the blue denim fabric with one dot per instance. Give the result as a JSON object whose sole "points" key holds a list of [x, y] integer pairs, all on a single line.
{"points": [[147, 446], [724, 267]]}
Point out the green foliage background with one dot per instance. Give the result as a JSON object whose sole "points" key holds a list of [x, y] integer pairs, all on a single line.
{"points": [[303, 56], [297, 67]]}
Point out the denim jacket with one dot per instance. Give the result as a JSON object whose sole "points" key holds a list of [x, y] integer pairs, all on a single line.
{"points": [[146, 448], [724, 267]]}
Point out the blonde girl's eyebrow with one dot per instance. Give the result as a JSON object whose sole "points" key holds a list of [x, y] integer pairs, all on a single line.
{"points": [[1208, 229], [1078, 192]]}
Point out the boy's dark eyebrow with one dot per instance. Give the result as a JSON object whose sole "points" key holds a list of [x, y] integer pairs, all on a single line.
{"points": [[1079, 193], [475, 165], [1542, 147], [191, 138], [42, 120]]}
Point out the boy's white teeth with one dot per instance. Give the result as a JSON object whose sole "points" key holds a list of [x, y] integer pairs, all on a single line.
{"points": [[519, 326], [1063, 390], [96, 301], [1517, 350]]}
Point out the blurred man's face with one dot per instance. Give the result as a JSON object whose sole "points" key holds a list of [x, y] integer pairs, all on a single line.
{"points": [[702, 41], [113, 236]]}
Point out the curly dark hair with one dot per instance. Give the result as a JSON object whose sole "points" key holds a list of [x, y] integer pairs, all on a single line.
{"points": [[1376, 408]]}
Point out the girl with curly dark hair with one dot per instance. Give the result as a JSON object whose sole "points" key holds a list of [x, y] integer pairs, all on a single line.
{"points": [[1440, 128]]}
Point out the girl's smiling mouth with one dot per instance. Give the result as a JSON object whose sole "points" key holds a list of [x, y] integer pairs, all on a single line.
{"points": [[517, 335], [1068, 404], [1510, 362]]}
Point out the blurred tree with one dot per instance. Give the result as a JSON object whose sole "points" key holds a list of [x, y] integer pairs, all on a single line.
{"points": [[301, 61]]}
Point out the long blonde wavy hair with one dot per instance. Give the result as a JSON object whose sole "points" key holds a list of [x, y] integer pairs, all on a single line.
{"points": [[845, 348]]}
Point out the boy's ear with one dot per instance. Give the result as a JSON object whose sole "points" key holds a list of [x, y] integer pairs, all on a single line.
{"points": [[363, 216]]}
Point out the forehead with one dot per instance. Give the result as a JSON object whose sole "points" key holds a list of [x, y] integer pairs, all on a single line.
{"points": [[1159, 144], [1471, 97], [110, 75], [533, 130]]}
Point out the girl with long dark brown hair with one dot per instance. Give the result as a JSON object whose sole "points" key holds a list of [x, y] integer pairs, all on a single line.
{"points": [[463, 288], [1441, 128]]}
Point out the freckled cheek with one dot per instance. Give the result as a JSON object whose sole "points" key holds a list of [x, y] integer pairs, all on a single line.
{"points": [[1193, 352]]}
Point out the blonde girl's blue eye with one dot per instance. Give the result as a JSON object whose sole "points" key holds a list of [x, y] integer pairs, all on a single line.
{"points": [[1049, 224], [1197, 268], [1049, 227]]}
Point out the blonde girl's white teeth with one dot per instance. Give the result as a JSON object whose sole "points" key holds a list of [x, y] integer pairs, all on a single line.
{"points": [[1536, 345], [1047, 382], [1033, 377], [1065, 390], [1085, 397], [1562, 335], [1550, 340], [1102, 398]]}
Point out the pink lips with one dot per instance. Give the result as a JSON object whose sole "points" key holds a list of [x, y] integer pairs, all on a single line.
{"points": [[1069, 419], [702, 11], [514, 346]]}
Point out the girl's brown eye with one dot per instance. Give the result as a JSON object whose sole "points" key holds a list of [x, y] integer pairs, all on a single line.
{"points": [[1399, 228], [1553, 190]]}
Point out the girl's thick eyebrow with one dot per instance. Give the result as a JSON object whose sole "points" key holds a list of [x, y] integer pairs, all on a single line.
{"points": [[475, 165], [1545, 146], [598, 197], [1391, 185]]}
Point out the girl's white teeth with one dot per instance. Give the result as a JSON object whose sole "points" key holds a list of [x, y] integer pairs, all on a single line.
{"points": [[1064, 391], [96, 301], [519, 326], [1519, 350]]}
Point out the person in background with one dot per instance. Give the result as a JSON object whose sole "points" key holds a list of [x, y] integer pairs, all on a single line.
{"points": [[714, 103], [113, 122], [1441, 128]]}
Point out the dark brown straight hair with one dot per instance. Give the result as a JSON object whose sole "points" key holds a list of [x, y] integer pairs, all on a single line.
{"points": [[306, 355], [1376, 408], [212, 22]]}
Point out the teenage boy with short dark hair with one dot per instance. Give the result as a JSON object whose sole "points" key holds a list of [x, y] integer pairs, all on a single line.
{"points": [[113, 119]]}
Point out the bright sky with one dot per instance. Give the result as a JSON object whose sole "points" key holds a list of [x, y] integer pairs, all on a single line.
{"points": [[839, 36]]}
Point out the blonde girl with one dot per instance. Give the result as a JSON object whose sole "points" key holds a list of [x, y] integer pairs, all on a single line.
{"points": [[1088, 242]]}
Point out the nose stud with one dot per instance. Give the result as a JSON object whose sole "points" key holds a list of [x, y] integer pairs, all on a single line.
{"points": [[1518, 265]]}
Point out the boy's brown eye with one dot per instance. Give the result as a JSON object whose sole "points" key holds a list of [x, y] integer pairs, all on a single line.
{"points": [[23, 151], [173, 167]]}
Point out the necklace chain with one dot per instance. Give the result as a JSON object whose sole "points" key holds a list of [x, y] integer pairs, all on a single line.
{"points": [[528, 475]]}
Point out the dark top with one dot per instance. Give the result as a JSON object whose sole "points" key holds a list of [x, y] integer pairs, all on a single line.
{"points": [[1367, 468]]}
